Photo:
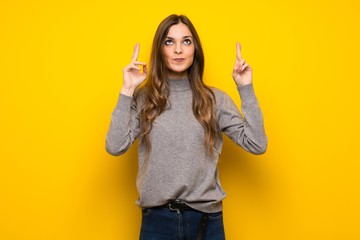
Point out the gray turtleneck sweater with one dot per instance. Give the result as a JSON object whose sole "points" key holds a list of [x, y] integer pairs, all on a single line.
{"points": [[178, 166]]}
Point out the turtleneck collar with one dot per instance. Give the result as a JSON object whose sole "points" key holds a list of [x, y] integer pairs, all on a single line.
{"points": [[179, 85]]}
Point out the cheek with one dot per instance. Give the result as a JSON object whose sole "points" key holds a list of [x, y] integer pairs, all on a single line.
{"points": [[191, 52], [165, 53], [166, 57]]}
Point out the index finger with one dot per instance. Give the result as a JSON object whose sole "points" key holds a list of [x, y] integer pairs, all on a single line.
{"points": [[136, 52], [238, 51]]}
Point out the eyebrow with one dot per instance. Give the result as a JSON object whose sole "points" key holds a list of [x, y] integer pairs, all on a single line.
{"points": [[182, 37]]}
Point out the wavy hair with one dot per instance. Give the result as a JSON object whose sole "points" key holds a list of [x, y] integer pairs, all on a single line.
{"points": [[157, 89]]}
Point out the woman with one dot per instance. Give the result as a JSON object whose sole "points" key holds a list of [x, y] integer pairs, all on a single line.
{"points": [[179, 121]]}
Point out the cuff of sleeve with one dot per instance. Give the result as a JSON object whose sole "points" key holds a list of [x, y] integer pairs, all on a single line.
{"points": [[247, 93], [124, 101]]}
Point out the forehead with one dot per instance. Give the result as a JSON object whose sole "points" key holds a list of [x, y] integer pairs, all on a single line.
{"points": [[178, 31]]}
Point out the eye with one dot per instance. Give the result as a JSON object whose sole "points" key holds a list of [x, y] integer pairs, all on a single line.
{"points": [[187, 41], [168, 42]]}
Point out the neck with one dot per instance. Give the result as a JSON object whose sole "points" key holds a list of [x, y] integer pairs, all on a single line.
{"points": [[176, 75], [179, 84]]}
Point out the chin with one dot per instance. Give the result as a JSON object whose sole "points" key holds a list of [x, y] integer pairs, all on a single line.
{"points": [[179, 70]]}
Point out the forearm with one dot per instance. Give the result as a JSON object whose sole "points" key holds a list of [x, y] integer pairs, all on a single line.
{"points": [[120, 134], [254, 138]]}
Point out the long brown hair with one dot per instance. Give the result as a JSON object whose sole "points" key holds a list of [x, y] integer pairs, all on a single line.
{"points": [[157, 89]]}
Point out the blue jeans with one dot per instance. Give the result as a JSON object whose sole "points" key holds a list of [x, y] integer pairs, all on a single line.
{"points": [[164, 224]]}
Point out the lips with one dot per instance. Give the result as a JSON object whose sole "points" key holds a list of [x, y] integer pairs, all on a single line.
{"points": [[179, 60]]}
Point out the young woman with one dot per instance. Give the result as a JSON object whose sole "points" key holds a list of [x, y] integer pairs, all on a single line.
{"points": [[179, 121]]}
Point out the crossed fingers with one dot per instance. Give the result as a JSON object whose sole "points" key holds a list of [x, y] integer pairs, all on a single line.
{"points": [[134, 63], [240, 64]]}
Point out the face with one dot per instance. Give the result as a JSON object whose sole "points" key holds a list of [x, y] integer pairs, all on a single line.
{"points": [[178, 51]]}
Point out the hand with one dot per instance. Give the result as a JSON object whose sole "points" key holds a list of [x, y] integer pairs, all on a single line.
{"points": [[132, 74], [242, 72]]}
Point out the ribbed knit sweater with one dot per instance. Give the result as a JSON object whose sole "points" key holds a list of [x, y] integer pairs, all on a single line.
{"points": [[178, 166]]}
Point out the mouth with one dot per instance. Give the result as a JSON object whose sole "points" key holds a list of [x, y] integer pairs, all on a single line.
{"points": [[179, 60]]}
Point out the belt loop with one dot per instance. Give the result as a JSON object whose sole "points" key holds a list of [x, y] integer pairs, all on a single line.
{"points": [[202, 227]]}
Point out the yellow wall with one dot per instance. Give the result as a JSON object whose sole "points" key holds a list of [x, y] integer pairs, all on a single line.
{"points": [[60, 72]]}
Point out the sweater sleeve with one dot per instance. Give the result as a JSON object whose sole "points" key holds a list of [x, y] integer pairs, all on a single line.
{"points": [[124, 126], [248, 130]]}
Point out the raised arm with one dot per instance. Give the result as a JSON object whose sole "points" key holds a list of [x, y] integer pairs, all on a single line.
{"points": [[246, 130], [124, 126]]}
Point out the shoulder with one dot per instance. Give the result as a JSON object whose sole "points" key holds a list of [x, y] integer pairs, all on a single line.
{"points": [[221, 96]]}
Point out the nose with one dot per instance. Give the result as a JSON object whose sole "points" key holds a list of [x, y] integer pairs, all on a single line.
{"points": [[178, 49]]}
